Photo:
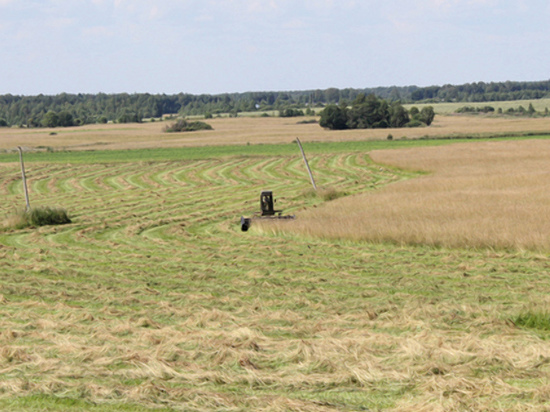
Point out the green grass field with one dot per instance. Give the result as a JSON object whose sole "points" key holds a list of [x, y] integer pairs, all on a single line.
{"points": [[153, 299]]}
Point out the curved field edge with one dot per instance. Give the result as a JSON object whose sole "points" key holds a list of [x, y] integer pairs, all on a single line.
{"points": [[153, 297], [478, 195]]}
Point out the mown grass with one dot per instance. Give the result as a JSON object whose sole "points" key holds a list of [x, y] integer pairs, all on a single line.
{"points": [[153, 298]]}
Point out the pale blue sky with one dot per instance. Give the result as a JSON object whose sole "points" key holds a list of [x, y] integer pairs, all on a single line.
{"points": [[218, 46]]}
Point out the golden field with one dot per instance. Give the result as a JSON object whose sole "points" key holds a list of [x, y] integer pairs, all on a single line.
{"points": [[483, 194], [253, 130]]}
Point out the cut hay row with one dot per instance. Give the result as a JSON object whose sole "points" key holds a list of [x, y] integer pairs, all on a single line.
{"points": [[153, 298]]}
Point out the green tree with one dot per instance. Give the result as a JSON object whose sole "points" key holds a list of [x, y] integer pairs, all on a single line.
{"points": [[333, 117], [65, 119], [399, 116], [427, 115], [368, 112], [50, 119]]}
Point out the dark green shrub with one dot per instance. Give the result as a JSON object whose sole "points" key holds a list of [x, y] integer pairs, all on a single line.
{"points": [[290, 112], [333, 117], [41, 216], [415, 123], [194, 126], [183, 125]]}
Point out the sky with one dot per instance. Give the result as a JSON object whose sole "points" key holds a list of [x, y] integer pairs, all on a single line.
{"points": [[226, 46]]}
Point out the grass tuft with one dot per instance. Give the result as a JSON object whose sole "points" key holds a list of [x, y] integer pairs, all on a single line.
{"points": [[325, 194], [40, 216], [534, 319], [330, 194]]}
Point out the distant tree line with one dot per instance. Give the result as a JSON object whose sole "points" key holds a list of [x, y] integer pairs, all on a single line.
{"points": [[77, 109], [483, 92], [372, 112], [519, 111]]}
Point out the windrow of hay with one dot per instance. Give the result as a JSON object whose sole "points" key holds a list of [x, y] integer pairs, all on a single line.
{"points": [[154, 299], [484, 195]]}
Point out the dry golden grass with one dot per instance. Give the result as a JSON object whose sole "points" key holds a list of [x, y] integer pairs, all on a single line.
{"points": [[491, 194], [254, 130]]}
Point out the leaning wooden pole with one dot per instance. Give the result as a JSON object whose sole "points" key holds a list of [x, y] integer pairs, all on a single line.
{"points": [[24, 178], [307, 164]]}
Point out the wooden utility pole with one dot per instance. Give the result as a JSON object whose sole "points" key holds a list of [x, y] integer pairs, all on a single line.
{"points": [[24, 178], [307, 164]]}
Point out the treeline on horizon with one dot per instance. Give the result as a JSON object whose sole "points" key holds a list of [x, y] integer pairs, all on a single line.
{"points": [[78, 109]]}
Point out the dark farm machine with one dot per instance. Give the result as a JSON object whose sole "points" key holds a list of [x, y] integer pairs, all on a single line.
{"points": [[267, 211]]}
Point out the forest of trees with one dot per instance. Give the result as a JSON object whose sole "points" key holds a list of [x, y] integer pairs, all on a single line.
{"points": [[483, 92], [77, 109]]}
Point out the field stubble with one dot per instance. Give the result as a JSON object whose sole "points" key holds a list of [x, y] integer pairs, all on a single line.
{"points": [[154, 299], [254, 130]]}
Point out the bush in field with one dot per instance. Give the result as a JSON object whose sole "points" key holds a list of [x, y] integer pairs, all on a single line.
{"points": [[290, 112], [427, 115], [183, 125], [41, 216]]}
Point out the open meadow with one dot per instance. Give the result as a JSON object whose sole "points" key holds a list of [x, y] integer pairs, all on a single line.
{"points": [[153, 298]]}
